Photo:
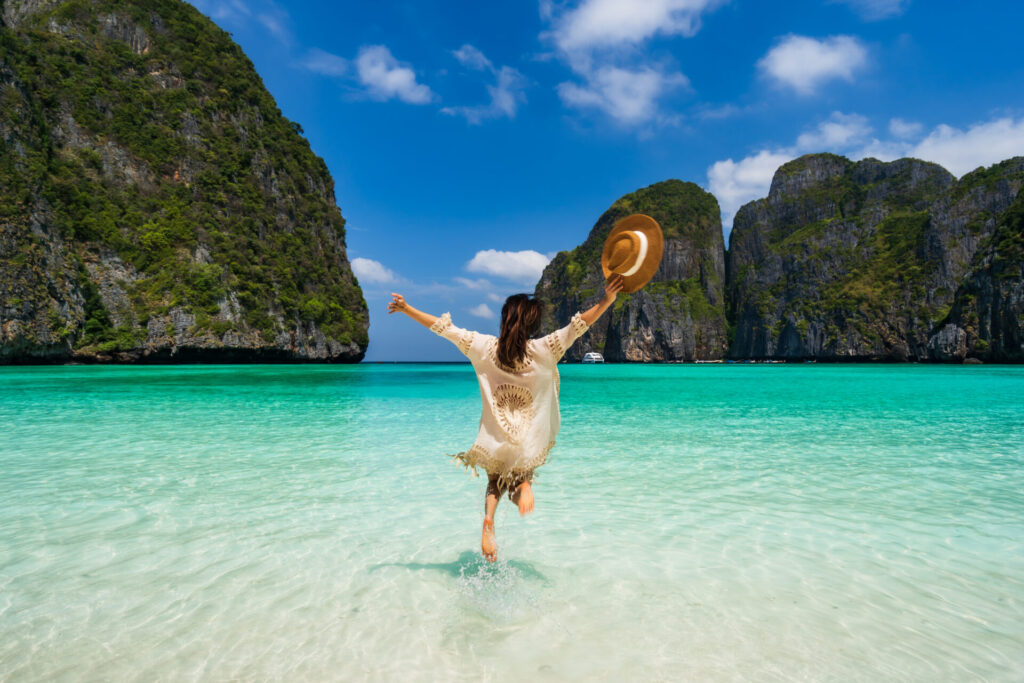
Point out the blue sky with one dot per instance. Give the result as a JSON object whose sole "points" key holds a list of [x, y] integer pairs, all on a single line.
{"points": [[471, 141]]}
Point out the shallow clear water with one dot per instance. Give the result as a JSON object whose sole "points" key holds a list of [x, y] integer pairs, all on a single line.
{"points": [[819, 522]]}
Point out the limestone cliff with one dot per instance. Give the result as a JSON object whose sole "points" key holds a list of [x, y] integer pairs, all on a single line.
{"points": [[987, 317], [680, 314], [154, 203], [858, 261]]}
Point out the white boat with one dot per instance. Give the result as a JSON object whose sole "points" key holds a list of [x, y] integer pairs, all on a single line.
{"points": [[593, 357]]}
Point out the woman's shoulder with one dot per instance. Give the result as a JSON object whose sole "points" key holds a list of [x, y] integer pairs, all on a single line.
{"points": [[547, 345]]}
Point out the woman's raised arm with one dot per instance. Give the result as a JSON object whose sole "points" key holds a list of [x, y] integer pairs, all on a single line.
{"points": [[399, 305], [439, 325], [611, 289]]}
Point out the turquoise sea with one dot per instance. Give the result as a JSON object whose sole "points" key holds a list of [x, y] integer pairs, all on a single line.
{"points": [[695, 522]]}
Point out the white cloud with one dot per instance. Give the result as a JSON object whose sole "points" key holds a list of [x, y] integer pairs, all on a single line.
{"points": [[734, 183], [839, 131], [804, 63], [471, 57], [600, 41], [708, 112], [506, 96], [904, 129], [957, 150], [494, 297], [480, 283], [982, 144], [385, 77], [274, 22], [608, 23], [883, 150], [873, 10], [368, 270], [323, 62], [625, 95], [520, 266], [482, 311]]}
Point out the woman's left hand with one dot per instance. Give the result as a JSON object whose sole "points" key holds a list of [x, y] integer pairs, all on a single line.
{"points": [[397, 303], [613, 287]]}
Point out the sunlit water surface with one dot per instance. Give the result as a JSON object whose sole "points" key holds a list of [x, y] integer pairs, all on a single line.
{"points": [[818, 522]]}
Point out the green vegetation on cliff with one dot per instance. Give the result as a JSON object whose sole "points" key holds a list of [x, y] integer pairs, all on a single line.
{"points": [[683, 210], [860, 260], [141, 129], [680, 314]]}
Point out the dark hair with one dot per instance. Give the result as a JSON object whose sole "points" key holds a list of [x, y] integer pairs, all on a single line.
{"points": [[520, 320]]}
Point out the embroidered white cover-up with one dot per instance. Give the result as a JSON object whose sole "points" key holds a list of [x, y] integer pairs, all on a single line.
{"points": [[519, 418]]}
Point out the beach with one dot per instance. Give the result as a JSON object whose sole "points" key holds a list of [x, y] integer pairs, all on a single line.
{"points": [[694, 522]]}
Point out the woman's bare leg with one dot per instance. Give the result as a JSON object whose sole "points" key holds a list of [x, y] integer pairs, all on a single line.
{"points": [[488, 543], [523, 497]]}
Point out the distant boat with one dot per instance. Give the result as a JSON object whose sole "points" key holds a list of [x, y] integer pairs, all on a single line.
{"points": [[593, 357]]}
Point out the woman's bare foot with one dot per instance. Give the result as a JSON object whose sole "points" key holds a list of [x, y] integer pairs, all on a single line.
{"points": [[488, 544], [523, 497]]}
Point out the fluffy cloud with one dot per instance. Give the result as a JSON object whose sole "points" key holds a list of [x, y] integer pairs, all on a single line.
{"points": [[506, 95], [519, 266], [608, 23], [982, 144], [959, 150], [480, 283], [325, 63], [625, 95], [383, 76], [873, 10], [386, 78], [598, 41], [482, 311], [368, 270], [904, 129], [804, 63], [471, 57], [734, 183], [839, 131], [275, 23]]}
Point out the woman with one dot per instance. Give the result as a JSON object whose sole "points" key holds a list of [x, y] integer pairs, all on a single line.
{"points": [[518, 379]]}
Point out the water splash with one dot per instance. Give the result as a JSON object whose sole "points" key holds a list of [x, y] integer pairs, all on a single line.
{"points": [[502, 591]]}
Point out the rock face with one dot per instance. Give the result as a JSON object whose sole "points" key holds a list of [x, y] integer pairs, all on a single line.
{"points": [[863, 261], [987, 318], [154, 203], [680, 314]]}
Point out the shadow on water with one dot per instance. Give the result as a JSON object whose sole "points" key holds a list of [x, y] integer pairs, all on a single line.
{"points": [[502, 593], [468, 564]]}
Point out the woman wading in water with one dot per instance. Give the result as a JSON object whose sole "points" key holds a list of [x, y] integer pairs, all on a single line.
{"points": [[518, 379]]}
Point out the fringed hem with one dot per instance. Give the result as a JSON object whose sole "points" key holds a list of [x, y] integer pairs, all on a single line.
{"points": [[506, 480], [477, 456]]}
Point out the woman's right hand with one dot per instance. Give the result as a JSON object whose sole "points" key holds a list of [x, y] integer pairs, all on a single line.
{"points": [[613, 287], [397, 304]]}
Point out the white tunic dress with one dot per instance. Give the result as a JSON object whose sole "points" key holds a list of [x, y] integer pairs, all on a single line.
{"points": [[520, 418]]}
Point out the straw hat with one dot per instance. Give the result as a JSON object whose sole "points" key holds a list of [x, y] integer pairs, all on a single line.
{"points": [[633, 250]]}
